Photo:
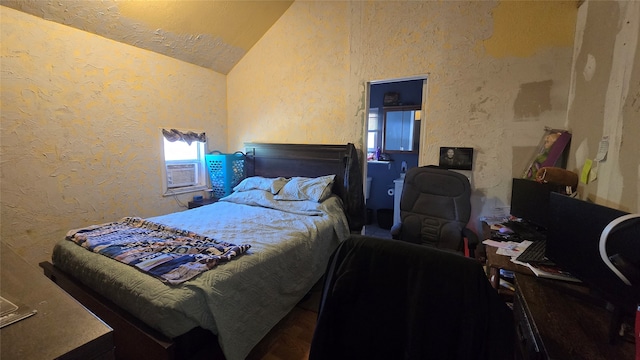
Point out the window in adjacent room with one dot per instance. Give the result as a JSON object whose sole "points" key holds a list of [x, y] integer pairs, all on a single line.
{"points": [[374, 132], [184, 161]]}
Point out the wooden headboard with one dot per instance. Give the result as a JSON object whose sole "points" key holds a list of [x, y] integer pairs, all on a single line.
{"points": [[313, 160]]}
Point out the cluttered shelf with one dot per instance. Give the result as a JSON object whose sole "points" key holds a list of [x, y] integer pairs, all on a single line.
{"points": [[551, 315], [551, 308], [515, 245], [557, 315], [506, 255]]}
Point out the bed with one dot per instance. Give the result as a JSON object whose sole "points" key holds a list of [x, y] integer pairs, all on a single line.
{"points": [[288, 243]]}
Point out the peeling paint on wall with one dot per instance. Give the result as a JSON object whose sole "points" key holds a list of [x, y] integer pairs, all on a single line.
{"points": [[470, 98], [589, 67], [604, 98], [481, 107], [302, 82], [533, 99]]}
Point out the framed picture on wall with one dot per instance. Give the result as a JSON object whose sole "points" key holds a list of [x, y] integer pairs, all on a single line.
{"points": [[459, 158]]}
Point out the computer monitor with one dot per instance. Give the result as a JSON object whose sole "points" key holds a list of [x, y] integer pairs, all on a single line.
{"points": [[530, 201], [573, 239]]}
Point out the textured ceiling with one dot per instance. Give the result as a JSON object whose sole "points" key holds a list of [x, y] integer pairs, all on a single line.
{"points": [[214, 34]]}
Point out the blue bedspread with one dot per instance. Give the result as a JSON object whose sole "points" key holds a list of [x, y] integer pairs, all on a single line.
{"points": [[170, 254]]}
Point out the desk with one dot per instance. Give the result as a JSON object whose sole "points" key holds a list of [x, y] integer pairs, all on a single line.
{"points": [[61, 329], [496, 262], [552, 323]]}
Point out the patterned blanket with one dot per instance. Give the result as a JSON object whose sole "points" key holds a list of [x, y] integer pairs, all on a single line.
{"points": [[170, 254]]}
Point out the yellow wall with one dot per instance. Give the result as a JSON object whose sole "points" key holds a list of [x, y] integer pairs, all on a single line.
{"points": [[306, 79], [80, 139], [549, 24], [80, 114], [292, 87]]}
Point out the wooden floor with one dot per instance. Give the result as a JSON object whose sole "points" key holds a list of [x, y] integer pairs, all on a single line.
{"points": [[290, 339]]}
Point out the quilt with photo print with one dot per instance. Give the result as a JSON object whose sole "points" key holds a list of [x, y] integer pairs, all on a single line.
{"points": [[172, 255]]}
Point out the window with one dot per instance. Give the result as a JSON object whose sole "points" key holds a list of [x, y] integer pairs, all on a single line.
{"points": [[401, 128], [184, 166], [373, 131]]}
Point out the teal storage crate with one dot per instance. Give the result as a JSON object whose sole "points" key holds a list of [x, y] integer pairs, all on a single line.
{"points": [[225, 171]]}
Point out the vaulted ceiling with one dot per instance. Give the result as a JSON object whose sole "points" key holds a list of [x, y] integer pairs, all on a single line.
{"points": [[214, 34]]}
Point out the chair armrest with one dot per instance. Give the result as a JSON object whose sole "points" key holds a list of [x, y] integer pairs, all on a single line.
{"points": [[396, 231], [471, 237], [472, 241]]}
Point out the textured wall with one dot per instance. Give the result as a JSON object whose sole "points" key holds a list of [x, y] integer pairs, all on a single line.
{"points": [[80, 139], [605, 101], [292, 86], [80, 113], [499, 72], [211, 34]]}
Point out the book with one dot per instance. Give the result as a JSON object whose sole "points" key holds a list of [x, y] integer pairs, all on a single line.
{"points": [[551, 272]]}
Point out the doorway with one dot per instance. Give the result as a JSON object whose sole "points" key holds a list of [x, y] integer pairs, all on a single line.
{"points": [[384, 167]]}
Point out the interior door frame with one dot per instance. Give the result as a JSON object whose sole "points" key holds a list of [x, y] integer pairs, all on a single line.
{"points": [[422, 141], [424, 78]]}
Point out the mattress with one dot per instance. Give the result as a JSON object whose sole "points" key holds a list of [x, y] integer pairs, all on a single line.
{"points": [[240, 300]]}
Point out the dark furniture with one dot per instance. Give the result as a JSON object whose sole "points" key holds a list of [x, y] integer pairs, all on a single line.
{"points": [[61, 328], [135, 339], [557, 320], [497, 262], [194, 204], [287, 160], [435, 207], [385, 299]]}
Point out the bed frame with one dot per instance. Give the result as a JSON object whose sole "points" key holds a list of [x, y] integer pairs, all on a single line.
{"points": [[135, 340], [272, 160]]}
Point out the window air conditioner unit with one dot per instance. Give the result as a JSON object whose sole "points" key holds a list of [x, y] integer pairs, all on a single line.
{"points": [[180, 175]]}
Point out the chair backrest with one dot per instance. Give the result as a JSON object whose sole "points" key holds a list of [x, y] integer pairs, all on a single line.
{"points": [[435, 206], [385, 299]]}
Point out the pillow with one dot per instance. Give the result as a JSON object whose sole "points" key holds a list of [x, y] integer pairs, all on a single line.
{"points": [[273, 185], [303, 188]]}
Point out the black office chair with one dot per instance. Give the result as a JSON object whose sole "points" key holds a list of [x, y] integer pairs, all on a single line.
{"points": [[435, 207], [385, 299]]}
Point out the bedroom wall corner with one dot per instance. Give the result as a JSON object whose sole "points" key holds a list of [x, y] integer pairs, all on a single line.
{"points": [[292, 86], [80, 139]]}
